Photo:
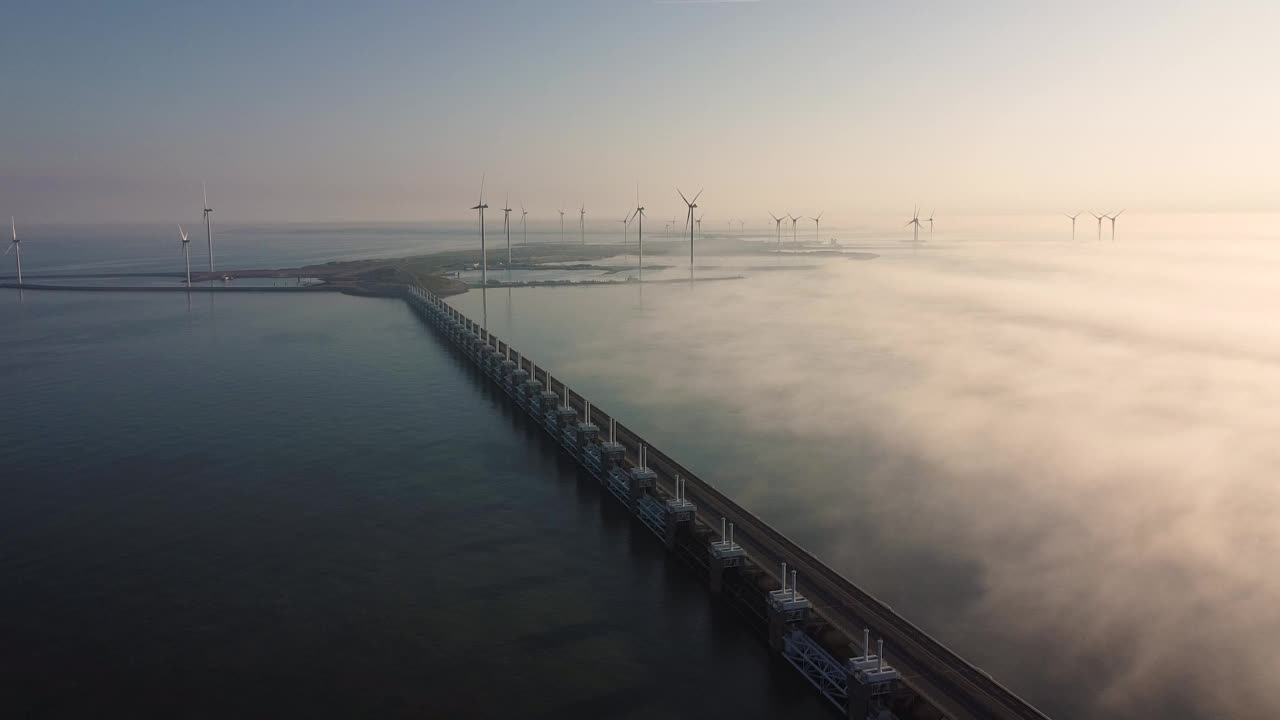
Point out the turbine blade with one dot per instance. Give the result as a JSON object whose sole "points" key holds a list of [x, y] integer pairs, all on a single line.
{"points": [[682, 197], [6, 252], [13, 226], [204, 191], [482, 179], [695, 197]]}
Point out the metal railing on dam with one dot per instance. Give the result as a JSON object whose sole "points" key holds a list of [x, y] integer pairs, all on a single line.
{"points": [[686, 512]]}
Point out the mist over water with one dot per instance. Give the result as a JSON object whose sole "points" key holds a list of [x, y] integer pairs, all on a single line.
{"points": [[1058, 458], [1053, 456]]}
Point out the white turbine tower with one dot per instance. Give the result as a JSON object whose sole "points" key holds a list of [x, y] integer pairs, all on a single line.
{"points": [[1073, 224], [186, 252], [777, 227], [208, 222], [562, 227], [689, 223], [639, 215], [523, 227], [930, 221], [1112, 218], [484, 257], [816, 221], [793, 228], [1099, 217], [16, 247], [915, 223], [582, 223], [506, 225]]}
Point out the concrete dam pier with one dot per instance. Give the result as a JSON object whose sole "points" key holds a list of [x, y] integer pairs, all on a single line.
{"points": [[862, 657]]}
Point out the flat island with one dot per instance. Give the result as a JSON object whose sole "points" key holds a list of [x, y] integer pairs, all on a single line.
{"points": [[440, 272]]}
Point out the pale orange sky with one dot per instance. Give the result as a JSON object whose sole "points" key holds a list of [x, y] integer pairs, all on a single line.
{"points": [[393, 113]]}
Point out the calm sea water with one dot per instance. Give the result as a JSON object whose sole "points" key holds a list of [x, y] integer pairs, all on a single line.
{"points": [[305, 506], [1053, 455]]}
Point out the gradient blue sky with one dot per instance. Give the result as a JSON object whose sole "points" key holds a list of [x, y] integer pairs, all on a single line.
{"points": [[327, 111]]}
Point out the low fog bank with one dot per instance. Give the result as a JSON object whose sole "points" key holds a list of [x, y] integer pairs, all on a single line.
{"points": [[1057, 457]]}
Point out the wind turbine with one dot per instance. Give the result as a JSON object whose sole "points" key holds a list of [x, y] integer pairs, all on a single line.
{"points": [[562, 227], [208, 232], [793, 227], [815, 227], [1073, 225], [777, 227], [915, 222], [689, 222], [1099, 217], [13, 227], [1112, 218], [930, 221], [582, 223], [639, 215], [484, 258], [523, 227], [186, 252], [700, 227], [506, 224]]}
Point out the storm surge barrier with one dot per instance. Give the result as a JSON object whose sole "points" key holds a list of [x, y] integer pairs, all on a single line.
{"points": [[825, 630]]}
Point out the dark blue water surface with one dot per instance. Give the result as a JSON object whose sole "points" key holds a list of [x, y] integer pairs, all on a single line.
{"points": [[292, 506]]}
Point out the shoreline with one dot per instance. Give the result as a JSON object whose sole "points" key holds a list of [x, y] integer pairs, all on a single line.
{"points": [[320, 287], [389, 277]]}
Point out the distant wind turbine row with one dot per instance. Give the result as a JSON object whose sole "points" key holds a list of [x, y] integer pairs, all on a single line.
{"points": [[693, 223], [1099, 218]]}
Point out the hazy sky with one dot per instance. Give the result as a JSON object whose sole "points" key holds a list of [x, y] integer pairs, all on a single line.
{"points": [[319, 111]]}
